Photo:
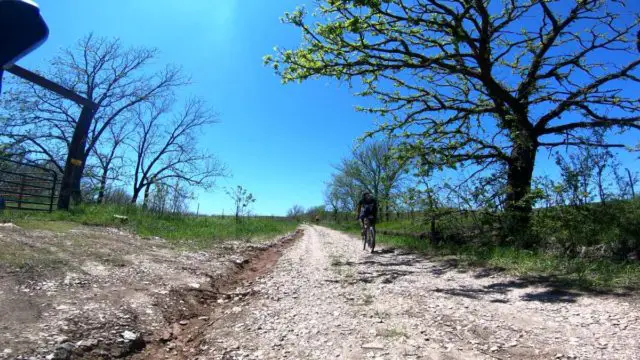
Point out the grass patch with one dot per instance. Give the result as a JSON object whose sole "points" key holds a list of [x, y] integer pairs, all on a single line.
{"points": [[588, 274], [25, 257], [48, 225], [570, 272], [367, 299], [393, 333], [180, 230]]}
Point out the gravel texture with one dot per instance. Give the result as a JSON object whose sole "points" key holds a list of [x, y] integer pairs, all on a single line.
{"points": [[326, 299], [317, 297]]}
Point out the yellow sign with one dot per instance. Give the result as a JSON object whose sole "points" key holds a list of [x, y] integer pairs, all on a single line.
{"points": [[76, 162]]}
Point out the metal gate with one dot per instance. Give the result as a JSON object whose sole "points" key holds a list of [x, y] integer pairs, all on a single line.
{"points": [[26, 186]]}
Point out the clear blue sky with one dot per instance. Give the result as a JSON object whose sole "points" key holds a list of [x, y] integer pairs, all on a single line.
{"points": [[278, 141]]}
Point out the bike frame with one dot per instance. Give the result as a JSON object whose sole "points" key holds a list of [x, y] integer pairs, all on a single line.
{"points": [[366, 235]]}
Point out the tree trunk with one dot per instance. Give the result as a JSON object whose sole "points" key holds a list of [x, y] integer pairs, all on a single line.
{"points": [[76, 191], [631, 183], [601, 186], [145, 201], [434, 235], [103, 186], [519, 177], [74, 166], [135, 195], [387, 210]]}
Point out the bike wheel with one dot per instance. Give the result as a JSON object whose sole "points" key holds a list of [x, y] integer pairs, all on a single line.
{"points": [[372, 238]]}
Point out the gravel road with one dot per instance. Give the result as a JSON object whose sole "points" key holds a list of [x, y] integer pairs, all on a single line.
{"points": [[326, 298]]}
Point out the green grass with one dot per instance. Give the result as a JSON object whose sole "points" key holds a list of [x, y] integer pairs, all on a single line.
{"points": [[48, 225], [181, 230], [570, 272], [588, 274], [393, 333], [25, 257]]}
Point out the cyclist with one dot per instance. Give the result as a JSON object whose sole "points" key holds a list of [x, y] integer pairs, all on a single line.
{"points": [[367, 208]]}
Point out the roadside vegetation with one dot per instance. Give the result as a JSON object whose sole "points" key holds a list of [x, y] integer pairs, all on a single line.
{"points": [[502, 132], [178, 228], [584, 230], [584, 249]]}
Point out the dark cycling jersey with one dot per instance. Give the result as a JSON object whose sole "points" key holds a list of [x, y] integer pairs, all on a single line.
{"points": [[368, 208]]}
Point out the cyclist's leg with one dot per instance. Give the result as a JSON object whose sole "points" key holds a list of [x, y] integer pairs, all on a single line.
{"points": [[363, 233], [372, 241]]}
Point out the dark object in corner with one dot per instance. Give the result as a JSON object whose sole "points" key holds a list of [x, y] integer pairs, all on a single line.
{"points": [[22, 30]]}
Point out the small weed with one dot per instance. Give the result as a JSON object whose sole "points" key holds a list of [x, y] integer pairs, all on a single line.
{"points": [[380, 314], [367, 299], [336, 261], [393, 333], [348, 274], [115, 261]]}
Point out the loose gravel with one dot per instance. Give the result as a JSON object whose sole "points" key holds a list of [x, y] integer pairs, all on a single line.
{"points": [[326, 299]]}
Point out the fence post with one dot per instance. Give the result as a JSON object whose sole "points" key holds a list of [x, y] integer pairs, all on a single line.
{"points": [[21, 192], [53, 190]]}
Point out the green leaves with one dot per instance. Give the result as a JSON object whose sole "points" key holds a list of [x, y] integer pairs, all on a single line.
{"points": [[354, 25], [462, 83], [296, 17], [367, 3]]}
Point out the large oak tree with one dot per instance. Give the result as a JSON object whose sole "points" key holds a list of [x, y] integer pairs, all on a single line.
{"points": [[115, 77], [479, 82]]}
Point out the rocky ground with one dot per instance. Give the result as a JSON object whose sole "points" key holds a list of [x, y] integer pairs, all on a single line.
{"points": [[320, 297], [326, 299], [90, 293]]}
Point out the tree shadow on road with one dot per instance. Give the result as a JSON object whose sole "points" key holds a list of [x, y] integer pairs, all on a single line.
{"points": [[384, 276], [380, 269], [498, 295], [384, 259], [552, 296], [545, 289], [444, 266], [385, 251], [396, 262], [387, 265]]}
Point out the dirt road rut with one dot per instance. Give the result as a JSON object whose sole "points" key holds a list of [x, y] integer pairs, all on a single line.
{"points": [[326, 298]]}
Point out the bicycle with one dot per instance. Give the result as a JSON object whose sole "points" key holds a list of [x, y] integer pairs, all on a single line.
{"points": [[368, 235]]}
